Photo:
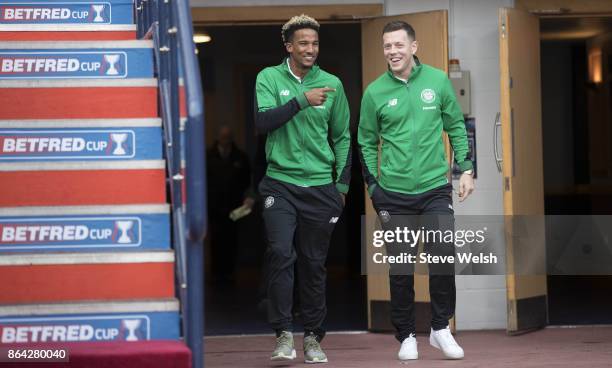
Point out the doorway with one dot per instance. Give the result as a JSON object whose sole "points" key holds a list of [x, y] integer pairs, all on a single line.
{"points": [[230, 64], [556, 128], [576, 57], [356, 70]]}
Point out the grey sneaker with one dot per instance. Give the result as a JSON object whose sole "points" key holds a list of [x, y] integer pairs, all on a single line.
{"points": [[284, 347], [312, 350]]}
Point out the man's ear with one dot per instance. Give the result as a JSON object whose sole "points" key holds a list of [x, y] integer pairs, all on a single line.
{"points": [[414, 46], [289, 47]]}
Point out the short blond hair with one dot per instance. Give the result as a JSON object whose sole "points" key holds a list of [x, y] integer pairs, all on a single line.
{"points": [[298, 22]]}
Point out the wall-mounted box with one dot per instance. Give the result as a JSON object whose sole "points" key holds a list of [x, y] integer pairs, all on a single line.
{"points": [[461, 84]]}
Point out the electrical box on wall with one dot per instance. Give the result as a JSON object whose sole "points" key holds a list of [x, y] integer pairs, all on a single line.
{"points": [[461, 83]]}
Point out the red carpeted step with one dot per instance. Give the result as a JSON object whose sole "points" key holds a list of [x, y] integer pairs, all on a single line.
{"points": [[66, 277], [182, 101], [82, 183], [140, 354], [78, 99], [67, 32], [67, 36]]}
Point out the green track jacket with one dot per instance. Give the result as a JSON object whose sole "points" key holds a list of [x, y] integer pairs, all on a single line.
{"points": [[408, 117], [299, 135]]}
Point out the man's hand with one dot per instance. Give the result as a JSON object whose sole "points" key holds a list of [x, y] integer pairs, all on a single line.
{"points": [[248, 202], [317, 96], [466, 186]]}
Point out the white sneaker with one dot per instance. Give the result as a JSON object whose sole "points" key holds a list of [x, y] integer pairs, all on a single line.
{"points": [[443, 340], [408, 350]]}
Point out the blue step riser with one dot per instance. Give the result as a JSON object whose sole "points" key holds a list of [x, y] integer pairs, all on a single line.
{"points": [[70, 64], [84, 233], [74, 12], [110, 144], [100, 327]]}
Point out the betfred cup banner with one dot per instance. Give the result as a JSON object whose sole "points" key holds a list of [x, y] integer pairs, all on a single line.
{"points": [[133, 328], [111, 327], [52, 12], [139, 143], [66, 144], [93, 233], [52, 65], [60, 63]]}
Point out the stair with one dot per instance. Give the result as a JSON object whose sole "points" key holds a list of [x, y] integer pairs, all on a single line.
{"points": [[85, 246], [75, 80]]}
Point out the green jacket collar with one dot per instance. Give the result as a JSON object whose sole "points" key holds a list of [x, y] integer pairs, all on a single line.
{"points": [[413, 74], [314, 71]]}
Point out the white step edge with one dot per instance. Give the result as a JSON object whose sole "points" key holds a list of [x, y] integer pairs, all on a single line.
{"points": [[80, 123], [97, 307], [40, 259], [66, 27], [82, 165], [69, 45], [144, 209], [78, 82]]}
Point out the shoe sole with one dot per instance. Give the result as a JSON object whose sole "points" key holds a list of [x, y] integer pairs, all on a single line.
{"points": [[283, 357], [433, 343], [315, 361]]}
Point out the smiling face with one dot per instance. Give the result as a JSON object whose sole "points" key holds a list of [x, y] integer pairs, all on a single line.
{"points": [[303, 49], [398, 49]]}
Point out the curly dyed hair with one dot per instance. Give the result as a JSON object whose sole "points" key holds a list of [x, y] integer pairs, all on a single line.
{"points": [[298, 22]]}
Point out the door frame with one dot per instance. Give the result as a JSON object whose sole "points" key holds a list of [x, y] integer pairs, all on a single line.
{"points": [[338, 13], [245, 15], [523, 183], [266, 15]]}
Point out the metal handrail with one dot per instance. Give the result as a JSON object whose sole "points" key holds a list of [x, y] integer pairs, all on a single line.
{"points": [[168, 23]]}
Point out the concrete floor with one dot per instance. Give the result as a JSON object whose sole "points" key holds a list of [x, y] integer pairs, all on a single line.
{"points": [[552, 347]]}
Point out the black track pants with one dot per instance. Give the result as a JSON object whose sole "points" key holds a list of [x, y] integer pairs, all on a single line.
{"points": [[299, 222], [431, 210]]}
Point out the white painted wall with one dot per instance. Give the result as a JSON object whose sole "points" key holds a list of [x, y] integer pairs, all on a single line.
{"points": [[473, 39]]}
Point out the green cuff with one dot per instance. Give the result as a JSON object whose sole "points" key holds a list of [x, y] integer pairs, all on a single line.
{"points": [[302, 101], [342, 188], [465, 165], [371, 189]]}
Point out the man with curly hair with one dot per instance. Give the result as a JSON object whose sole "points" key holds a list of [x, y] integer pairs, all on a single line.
{"points": [[304, 112]]}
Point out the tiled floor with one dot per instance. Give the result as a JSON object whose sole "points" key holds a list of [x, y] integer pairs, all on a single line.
{"points": [[552, 347]]}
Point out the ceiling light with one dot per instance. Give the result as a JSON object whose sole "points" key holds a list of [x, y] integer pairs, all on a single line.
{"points": [[201, 37], [595, 65]]}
